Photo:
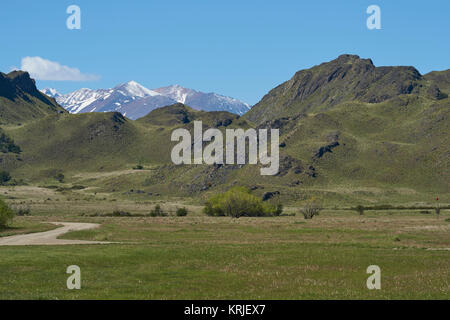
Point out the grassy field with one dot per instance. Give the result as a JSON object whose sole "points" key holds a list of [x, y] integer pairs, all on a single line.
{"points": [[199, 257]]}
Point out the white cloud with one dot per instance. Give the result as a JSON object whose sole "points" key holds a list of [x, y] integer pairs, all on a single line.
{"points": [[43, 69]]}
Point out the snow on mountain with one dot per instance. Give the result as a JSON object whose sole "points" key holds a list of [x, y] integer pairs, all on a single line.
{"points": [[141, 107], [134, 100], [132, 88], [176, 92], [51, 92], [204, 101], [83, 100], [114, 99]]}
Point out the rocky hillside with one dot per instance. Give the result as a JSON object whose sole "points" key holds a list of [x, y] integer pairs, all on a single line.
{"points": [[345, 79], [20, 100]]}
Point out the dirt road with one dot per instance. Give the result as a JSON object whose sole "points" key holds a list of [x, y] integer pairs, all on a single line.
{"points": [[50, 237]]}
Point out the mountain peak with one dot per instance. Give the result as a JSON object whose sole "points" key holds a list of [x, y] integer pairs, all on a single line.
{"points": [[23, 80], [351, 58], [204, 101], [346, 78], [135, 89], [51, 92]]}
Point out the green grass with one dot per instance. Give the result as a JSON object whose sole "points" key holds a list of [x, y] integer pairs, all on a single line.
{"points": [[201, 257], [227, 271]]}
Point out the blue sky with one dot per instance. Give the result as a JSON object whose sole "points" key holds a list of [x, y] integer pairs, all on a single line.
{"points": [[237, 48]]}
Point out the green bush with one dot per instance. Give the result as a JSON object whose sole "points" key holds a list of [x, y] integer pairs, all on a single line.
{"points": [[158, 212], [279, 210], [59, 177], [238, 202], [6, 214], [120, 213], [20, 209], [310, 210], [7, 144], [181, 212], [78, 187], [4, 177]]}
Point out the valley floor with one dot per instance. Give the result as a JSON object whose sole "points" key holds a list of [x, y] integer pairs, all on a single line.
{"points": [[200, 257]]}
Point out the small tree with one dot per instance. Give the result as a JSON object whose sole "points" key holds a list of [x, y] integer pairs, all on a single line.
{"points": [[6, 214], [157, 212], [20, 209], [239, 202], [437, 210], [310, 210], [278, 209], [182, 212], [360, 209], [4, 177], [59, 177]]}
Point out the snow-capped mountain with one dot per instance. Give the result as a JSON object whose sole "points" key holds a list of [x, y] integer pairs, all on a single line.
{"points": [[119, 98], [51, 92], [134, 100], [204, 101], [132, 88], [83, 100]]}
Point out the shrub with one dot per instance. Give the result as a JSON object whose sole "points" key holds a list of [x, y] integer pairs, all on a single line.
{"points": [[4, 177], [181, 212], [59, 177], [360, 209], [238, 202], [6, 214], [279, 209], [138, 167], [20, 210], [310, 210], [158, 212], [437, 210], [119, 213], [7, 144]]}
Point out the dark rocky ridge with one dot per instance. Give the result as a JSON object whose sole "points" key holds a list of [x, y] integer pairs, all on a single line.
{"points": [[20, 100], [347, 78], [18, 84]]}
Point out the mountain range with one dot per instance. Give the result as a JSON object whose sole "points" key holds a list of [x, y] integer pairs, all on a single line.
{"points": [[134, 100], [350, 132]]}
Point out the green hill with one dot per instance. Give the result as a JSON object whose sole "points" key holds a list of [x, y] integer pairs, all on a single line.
{"points": [[180, 114], [101, 142]]}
